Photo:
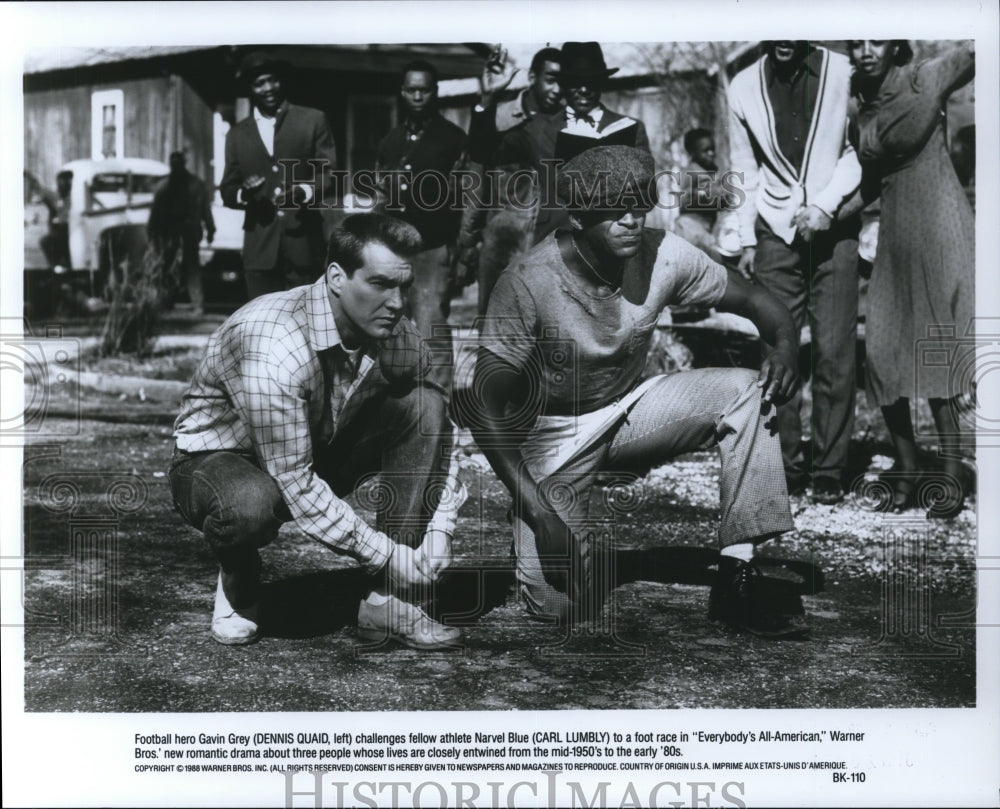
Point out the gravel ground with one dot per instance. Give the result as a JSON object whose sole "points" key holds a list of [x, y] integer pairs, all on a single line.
{"points": [[118, 598]]}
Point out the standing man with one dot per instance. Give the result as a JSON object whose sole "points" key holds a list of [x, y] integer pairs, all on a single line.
{"points": [[181, 205], [788, 136], [558, 394], [300, 396], [502, 227], [584, 122], [415, 164], [282, 229]]}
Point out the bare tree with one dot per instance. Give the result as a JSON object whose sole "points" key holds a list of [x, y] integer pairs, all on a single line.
{"points": [[694, 80]]}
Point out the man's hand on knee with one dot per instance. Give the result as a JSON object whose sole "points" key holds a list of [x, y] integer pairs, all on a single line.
{"points": [[778, 375]]}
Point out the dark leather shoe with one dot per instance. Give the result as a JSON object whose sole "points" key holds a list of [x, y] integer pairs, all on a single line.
{"points": [[797, 484], [827, 491], [744, 598]]}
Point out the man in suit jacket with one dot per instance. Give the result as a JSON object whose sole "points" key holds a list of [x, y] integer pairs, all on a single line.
{"points": [[582, 76], [788, 137], [279, 165]]}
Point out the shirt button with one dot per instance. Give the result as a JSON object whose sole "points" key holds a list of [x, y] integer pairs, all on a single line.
{"points": [[281, 213], [403, 186], [274, 169], [407, 167], [413, 137]]}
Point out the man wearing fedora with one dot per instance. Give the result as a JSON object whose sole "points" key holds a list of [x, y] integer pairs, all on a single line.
{"points": [[283, 230], [788, 140], [558, 396], [582, 75]]}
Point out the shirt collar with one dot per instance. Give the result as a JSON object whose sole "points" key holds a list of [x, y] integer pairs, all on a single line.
{"points": [[416, 127], [813, 63], [259, 116], [323, 332]]}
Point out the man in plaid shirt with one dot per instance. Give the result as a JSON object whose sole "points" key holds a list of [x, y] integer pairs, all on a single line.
{"points": [[300, 395]]}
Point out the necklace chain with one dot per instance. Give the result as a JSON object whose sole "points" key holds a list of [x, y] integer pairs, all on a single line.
{"points": [[593, 269]]}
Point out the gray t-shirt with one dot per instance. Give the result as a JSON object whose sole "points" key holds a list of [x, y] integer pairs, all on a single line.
{"points": [[581, 351]]}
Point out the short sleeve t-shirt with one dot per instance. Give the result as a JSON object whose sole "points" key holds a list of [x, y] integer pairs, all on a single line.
{"points": [[579, 351]]}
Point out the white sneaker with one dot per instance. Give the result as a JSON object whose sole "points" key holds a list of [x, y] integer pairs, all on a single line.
{"points": [[231, 626]]}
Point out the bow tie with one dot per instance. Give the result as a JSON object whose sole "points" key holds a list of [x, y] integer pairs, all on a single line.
{"points": [[586, 118]]}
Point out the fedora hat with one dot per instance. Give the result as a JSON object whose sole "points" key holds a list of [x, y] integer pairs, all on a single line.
{"points": [[257, 62], [583, 60]]}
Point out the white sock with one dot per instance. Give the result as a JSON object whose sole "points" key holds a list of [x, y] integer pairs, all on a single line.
{"points": [[742, 551], [377, 598]]}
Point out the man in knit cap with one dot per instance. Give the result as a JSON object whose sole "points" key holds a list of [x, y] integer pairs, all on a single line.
{"points": [[558, 395]]}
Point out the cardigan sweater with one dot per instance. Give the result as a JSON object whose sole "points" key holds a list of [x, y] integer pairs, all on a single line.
{"points": [[830, 172]]}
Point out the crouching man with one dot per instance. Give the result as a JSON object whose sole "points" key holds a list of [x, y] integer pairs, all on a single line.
{"points": [[558, 383], [302, 394]]}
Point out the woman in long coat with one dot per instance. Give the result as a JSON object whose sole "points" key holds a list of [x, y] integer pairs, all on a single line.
{"points": [[921, 295]]}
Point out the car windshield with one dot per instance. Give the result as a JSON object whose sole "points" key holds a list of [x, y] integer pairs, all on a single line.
{"points": [[110, 189]]}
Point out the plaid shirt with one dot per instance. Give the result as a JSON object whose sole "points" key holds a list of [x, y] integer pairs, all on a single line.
{"points": [[262, 388]]}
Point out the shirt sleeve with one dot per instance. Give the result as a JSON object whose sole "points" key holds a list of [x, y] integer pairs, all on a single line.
{"points": [[745, 174], [845, 181], [508, 330], [944, 74], [272, 403], [232, 176], [453, 495], [691, 276]]}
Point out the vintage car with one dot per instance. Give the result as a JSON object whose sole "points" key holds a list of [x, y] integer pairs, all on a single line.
{"points": [[109, 203]]}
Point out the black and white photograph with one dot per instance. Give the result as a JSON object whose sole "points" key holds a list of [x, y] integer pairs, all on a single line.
{"points": [[479, 404]]}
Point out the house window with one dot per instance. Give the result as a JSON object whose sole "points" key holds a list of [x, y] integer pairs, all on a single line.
{"points": [[107, 124]]}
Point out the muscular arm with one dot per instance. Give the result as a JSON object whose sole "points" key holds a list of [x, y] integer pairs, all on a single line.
{"points": [[494, 386], [778, 374]]}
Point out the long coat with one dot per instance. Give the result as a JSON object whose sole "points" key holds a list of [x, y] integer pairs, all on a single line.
{"points": [[269, 233]]}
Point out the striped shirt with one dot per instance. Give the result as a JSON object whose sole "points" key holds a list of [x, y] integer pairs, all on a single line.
{"points": [[276, 381]]}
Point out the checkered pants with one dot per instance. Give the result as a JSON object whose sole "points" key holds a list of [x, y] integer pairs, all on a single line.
{"points": [[679, 413]]}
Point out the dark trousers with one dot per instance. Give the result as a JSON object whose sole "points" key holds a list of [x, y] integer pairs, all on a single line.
{"points": [[239, 508], [818, 280], [428, 306], [182, 248]]}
